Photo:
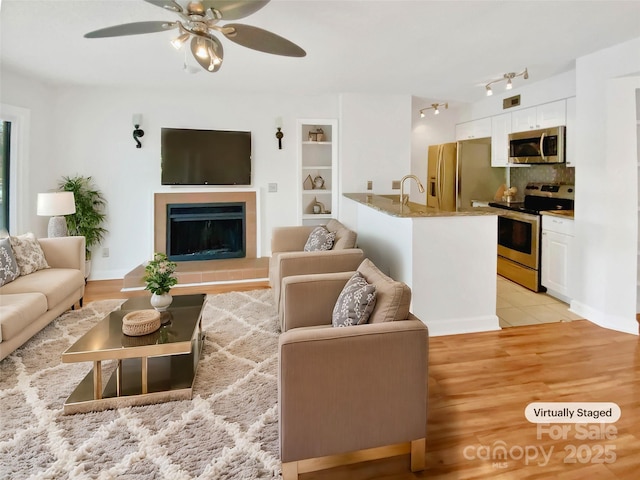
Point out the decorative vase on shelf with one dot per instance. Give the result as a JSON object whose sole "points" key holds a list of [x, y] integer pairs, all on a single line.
{"points": [[161, 301]]}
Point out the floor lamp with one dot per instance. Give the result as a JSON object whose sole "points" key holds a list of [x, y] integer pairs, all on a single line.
{"points": [[56, 205]]}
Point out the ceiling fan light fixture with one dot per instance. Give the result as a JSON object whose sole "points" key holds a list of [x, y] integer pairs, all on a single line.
{"points": [[179, 41], [201, 49]]}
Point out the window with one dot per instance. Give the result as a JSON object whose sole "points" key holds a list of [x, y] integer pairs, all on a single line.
{"points": [[5, 145]]}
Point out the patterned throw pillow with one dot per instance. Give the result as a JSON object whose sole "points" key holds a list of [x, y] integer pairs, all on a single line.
{"points": [[319, 239], [355, 302], [9, 270], [28, 253]]}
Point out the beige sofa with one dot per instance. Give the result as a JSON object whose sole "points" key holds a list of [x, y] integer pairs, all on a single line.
{"points": [[31, 302], [289, 258], [350, 393]]}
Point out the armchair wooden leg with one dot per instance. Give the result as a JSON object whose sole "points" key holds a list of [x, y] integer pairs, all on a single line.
{"points": [[290, 471], [418, 455]]}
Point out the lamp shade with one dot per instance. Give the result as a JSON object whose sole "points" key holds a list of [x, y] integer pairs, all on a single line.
{"points": [[56, 203]]}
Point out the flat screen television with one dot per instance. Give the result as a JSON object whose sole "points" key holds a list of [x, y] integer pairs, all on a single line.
{"points": [[205, 157]]}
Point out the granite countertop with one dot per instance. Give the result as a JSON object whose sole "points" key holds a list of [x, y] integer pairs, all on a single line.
{"points": [[390, 204], [559, 213]]}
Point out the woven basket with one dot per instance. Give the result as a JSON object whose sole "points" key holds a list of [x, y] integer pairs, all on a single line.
{"points": [[140, 322]]}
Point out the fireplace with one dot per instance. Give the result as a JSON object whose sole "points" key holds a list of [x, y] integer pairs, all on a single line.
{"points": [[206, 231], [224, 206]]}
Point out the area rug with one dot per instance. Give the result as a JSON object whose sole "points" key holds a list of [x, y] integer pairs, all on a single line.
{"points": [[229, 430]]}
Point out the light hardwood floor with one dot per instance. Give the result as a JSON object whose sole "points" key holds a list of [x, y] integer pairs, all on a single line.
{"points": [[479, 386]]}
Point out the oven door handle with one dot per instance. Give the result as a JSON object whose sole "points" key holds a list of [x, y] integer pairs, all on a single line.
{"points": [[544, 159]]}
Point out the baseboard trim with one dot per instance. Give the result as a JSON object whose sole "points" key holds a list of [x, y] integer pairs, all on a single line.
{"points": [[455, 326], [604, 320]]}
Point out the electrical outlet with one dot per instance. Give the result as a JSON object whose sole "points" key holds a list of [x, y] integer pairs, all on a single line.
{"points": [[105, 252], [273, 187], [369, 184], [395, 184]]}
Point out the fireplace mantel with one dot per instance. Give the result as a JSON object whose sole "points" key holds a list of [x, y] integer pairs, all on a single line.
{"points": [[161, 200]]}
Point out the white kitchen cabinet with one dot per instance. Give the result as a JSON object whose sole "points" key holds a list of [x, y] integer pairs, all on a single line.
{"points": [[546, 115], [475, 129], [318, 171], [500, 130], [557, 241], [570, 146]]}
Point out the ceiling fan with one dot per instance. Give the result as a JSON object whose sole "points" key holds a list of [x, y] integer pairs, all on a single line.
{"points": [[198, 21]]}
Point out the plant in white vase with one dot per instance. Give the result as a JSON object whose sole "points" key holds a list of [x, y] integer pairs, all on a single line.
{"points": [[159, 278]]}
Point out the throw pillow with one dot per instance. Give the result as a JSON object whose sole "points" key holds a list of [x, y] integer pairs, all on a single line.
{"points": [[9, 269], [355, 302], [319, 239], [28, 253]]}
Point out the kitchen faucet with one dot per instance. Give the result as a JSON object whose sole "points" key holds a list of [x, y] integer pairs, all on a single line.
{"points": [[404, 199]]}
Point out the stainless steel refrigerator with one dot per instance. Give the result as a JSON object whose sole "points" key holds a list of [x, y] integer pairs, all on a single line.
{"points": [[461, 172]]}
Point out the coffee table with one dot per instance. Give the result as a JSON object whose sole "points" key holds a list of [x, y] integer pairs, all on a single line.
{"points": [[152, 368]]}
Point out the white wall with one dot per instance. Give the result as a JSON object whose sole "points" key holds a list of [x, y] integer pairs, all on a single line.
{"points": [[375, 144], [28, 105], [607, 187], [88, 131]]}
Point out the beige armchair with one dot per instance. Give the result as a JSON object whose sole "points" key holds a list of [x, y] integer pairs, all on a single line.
{"points": [[353, 393], [288, 257]]}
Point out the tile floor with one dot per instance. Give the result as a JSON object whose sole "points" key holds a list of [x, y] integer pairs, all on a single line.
{"points": [[517, 306]]}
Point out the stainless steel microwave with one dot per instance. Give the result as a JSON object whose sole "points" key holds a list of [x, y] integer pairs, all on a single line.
{"points": [[537, 146]]}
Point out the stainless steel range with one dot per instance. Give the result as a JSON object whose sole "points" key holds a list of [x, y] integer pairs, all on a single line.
{"points": [[519, 231]]}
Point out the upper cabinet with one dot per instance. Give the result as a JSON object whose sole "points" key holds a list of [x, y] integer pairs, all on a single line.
{"points": [[317, 170], [543, 116], [570, 146], [475, 129], [500, 130]]}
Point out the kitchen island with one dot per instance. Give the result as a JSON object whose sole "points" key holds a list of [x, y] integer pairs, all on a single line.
{"points": [[447, 258]]}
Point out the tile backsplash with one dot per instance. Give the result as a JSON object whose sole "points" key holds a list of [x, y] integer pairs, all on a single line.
{"points": [[520, 176]]}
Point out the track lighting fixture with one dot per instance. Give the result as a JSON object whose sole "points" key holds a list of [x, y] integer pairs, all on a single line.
{"points": [[508, 77], [435, 107]]}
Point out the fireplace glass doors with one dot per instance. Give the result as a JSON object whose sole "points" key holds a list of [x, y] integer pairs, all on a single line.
{"points": [[206, 231]]}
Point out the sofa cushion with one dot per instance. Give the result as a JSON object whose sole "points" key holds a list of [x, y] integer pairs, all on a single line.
{"points": [[9, 269], [19, 310], [319, 239], [355, 303], [393, 298], [28, 253], [55, 283]]}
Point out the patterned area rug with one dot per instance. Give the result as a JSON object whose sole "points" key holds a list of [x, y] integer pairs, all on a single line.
{"points": [[229, 430]]}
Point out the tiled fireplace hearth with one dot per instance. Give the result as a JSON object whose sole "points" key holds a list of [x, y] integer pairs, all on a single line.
{"points": [[213, 203]]}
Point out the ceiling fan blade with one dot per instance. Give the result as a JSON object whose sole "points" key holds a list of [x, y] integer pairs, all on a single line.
{"points": [[131, 29], [166, 4], [261, 40], [208, 52], [234, 9]]}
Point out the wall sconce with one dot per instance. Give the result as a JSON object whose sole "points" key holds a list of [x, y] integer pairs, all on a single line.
{"points": [[137, 132], [436, 108], [508, 77], [279, 133]]}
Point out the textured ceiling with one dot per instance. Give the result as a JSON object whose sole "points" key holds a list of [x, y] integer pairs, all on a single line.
{"points": [[443, 50]]}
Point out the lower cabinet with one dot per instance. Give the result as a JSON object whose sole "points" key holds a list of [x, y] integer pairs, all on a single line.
{"points": [[557, 241]]}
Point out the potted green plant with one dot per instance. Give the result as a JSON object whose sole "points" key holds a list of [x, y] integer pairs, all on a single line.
{"points": [[89, 216], [159, 278]]}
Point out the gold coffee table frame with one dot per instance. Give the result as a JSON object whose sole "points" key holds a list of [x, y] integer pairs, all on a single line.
{"points": [[153, 368]]}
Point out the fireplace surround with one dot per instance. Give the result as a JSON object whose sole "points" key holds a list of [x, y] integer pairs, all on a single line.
{"points": [[204, 201]]}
